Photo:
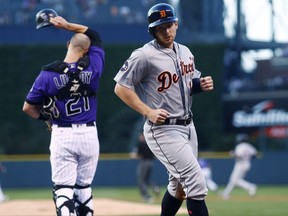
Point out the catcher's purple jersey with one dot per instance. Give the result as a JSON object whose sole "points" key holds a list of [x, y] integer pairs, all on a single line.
{"points": [[72, 110]]}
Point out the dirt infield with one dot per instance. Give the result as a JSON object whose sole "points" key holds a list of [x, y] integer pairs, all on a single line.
{"points": [[103, 207]]}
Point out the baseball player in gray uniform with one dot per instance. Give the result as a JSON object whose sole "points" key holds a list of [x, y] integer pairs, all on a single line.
{"points": [[158, 80], [243, 153], [68, 90]]}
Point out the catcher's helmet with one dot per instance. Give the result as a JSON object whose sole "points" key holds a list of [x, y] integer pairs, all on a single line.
{"points": [[43, 17], [159, 14]]}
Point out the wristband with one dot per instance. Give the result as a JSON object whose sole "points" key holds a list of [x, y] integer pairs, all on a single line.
{"points": [[196, 88]]}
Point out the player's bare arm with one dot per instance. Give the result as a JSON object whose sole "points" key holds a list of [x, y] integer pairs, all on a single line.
{"points": [[206, 83], [31, 110], [130, 97], [60, 22]]}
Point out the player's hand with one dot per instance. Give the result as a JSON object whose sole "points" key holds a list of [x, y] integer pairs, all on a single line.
{"points": [[59, 22], [157, 116], [231, 153], [180, 193], [206, 83]]}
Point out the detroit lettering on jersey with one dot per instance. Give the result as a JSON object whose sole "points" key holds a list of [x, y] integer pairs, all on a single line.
{"points": [[153, 70], [166, 78]]}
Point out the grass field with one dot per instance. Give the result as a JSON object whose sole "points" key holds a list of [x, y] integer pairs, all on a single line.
{"points": [[269, 200]]}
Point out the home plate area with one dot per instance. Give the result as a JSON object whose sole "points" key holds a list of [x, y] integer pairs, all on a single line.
{"points": [[102, 207]]}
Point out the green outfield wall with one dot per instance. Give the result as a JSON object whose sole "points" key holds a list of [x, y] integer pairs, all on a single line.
{"points": [[20, 64]]}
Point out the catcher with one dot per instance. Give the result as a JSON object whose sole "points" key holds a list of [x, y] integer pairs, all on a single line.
{"points": [[64, 94]]}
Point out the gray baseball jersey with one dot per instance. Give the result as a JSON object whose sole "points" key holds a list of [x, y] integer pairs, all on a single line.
{"points": [[154, 73], [163, 78]]}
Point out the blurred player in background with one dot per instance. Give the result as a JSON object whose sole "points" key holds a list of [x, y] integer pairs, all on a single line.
{"points": [[3, 197], [144, 169], [207, 172], [243, 153]]}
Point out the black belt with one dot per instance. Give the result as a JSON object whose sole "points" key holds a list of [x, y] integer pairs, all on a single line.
{"points": [[171, 121], [184, 122], [88, 124]]}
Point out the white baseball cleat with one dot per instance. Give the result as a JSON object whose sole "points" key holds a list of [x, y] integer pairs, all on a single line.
{"points": [[252, 191], [223, 196], [149, 200], [4, 199]]}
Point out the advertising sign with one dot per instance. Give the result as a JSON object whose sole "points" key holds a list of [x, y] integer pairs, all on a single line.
{"points": [[250, 115]]}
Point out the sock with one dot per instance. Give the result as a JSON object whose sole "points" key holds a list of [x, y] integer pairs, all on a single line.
{"points": [[170, 205], [197, 207]]}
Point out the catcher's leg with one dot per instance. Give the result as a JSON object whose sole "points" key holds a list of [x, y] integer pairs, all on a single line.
{"points": [[64, 200], [83, 200]]}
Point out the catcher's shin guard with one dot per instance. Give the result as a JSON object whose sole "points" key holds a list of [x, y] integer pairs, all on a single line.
{"points": [[63, 197], [83, 200]]}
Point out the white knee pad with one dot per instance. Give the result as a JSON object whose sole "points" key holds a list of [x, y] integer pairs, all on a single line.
{"points": [[83, 200], [64, 200]]}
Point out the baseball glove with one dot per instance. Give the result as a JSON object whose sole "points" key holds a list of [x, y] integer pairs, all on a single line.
{"points": [[49, 110]]}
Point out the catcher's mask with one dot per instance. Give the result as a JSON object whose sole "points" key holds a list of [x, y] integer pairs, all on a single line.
{"points": [[43, 17], [159, 14]]}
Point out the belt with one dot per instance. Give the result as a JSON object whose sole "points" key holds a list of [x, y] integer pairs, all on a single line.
{"points": [[173, 121], [88, 124], [169, 121]]}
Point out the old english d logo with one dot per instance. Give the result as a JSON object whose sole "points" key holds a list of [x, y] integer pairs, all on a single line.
{"points": [[162, 13]]}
